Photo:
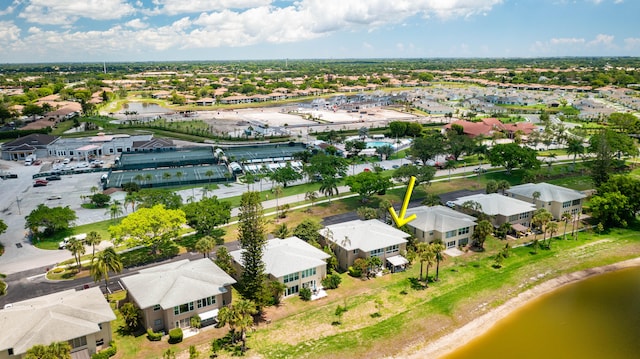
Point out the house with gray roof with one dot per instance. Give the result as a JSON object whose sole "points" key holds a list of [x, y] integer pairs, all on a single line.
{"points": [[81, 318], [499, 208], [453, 228], [21, 148], [290, 261], [555, 199], [365, 239], [170, 294]]}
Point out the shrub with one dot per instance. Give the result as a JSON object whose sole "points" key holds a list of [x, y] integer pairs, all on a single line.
{"points": [[107, 353], [175, 335], [332, 281], [355, 272], [305, 294], [153, 336]]}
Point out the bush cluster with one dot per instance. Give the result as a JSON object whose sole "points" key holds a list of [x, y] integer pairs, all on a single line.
{"points": [[305, 294], [107, 353], [331, 281], [175, 335], [153, 336], [142, 256]]}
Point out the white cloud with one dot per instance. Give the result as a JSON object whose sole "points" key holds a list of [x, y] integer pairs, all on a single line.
{"points": [[66, 12], [566, 41], [136, 24], [174, 7], [632, 43], [9, 33], [602, 39], [10, 8]]}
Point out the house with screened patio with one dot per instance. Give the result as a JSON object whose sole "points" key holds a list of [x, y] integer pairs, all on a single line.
{"points": [[293, 262], [453, 228], [365, 239], [170, 294], [555, 199]]}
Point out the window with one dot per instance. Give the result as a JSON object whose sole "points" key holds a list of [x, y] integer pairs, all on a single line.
{"points": [[10, 351], [355, 251], [99, 342], [156, 307], [451, 244], [308, 272], [376, 252], [291, 277], [393, 249], [183, 308], [206, 301], [78, 342], [524, 215], [431, 233], [462, 231], [292, 290], [157, 323], [566, 204], [451, 233], [576, 202]]}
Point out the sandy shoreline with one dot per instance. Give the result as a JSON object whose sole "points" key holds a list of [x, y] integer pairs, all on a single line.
{"points": [[480, 325]]}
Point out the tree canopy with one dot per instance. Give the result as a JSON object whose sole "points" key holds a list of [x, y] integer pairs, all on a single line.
{"points": [[367, 184], [428, 147], [285, 175], [149, 226], [204, 216], [52, 219], [511, 155]]}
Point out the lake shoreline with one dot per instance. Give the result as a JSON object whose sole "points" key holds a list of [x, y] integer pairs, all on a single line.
{"points": [[478, 326]]}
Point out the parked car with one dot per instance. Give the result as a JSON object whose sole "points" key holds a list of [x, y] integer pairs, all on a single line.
{"points": [[53, 178], [479, 170], [42, 181], [82, 165], [450, 204], [8, 175], [54, 197], [39, 184]]}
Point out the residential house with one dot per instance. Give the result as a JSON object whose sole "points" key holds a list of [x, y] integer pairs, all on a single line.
{"points": [[290, 261], [170, 294], [81, 318], [365, 239], [453, 228], [555, 199], [499, 208]]}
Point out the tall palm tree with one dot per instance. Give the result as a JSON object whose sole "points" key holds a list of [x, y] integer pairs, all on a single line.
{"points": [[139, 178], [245, 310], [131, 198], [329, 187], [277, 191], [148, 177], [421, 249], [209, 174], [438, 249], [503, 185], [566, 218], [115, 210], [541, 217], [179, 175], [536, 195], [93, 239], [166, 176], [76, 247], [104, 262], [575, 148], [552, 228]]}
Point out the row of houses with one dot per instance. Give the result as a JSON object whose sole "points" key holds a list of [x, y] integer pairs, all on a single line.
{"points": [[169, 295]]}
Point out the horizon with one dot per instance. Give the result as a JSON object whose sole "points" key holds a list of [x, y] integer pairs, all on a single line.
{"points": [[127, 31]]}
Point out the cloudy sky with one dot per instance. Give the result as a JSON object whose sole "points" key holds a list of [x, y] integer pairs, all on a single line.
{"points": [[168, 30]]}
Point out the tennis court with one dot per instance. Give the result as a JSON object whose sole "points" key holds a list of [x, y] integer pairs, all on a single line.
{"points": [[263, 153], [172, 158], [170, 176]]}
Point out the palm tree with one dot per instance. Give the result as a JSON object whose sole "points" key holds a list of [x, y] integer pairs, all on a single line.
{"points": [[94, 189], [566, 217], [449, 165], [166, 176], [209, 174], [277, 191], [541, 217], [179, 175], [329, 187], [205, 245], [281, 231], [93, 239], [104, 262], [139, 178], [115, 210], [503, 185], [421, 253], [76, 247], [552, 228], [311, 196], [480, 233], [536, 195], [148, 177], [575, 148], [131, 198], [438, 248], [58, 350]]}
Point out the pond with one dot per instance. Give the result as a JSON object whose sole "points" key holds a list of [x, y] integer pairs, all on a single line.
{"points": [[143, 108], [598, 317]]}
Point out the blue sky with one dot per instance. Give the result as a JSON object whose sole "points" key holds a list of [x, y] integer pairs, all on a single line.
{"points": [[181, 30]]}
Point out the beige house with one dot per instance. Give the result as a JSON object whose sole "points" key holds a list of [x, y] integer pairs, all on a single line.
{"points": [[500, 209], [365, 239], [170, 294], [81, 318], [439, 222], [290, 261], [555, 199]]}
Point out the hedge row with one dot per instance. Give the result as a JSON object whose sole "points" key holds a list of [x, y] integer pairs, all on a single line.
{"points": [[107, 353]]}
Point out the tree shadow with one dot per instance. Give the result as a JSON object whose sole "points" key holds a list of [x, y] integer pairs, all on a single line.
{"points": [[416, 284]]}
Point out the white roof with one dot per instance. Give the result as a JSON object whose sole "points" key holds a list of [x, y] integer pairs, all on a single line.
{"points": [[548, 192], [439, 218], [364, 235], [177, 283], [286, 256], [497, 204], [398, 260], [56, 317]]}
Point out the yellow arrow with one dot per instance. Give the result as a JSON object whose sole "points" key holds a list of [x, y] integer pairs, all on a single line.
{"points": [[400, 220]]}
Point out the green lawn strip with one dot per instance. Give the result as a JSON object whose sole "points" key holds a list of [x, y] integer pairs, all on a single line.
{"points": [[472, 277]]}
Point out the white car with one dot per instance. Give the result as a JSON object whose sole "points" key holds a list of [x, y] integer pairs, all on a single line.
{"points": [[450, 204], [82, 165]]}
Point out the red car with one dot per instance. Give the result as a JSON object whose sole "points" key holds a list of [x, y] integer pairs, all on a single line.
{"points": [[42, 181]]}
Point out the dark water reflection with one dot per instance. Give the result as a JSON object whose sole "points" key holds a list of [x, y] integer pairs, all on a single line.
{"points": [[592, 319]]}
